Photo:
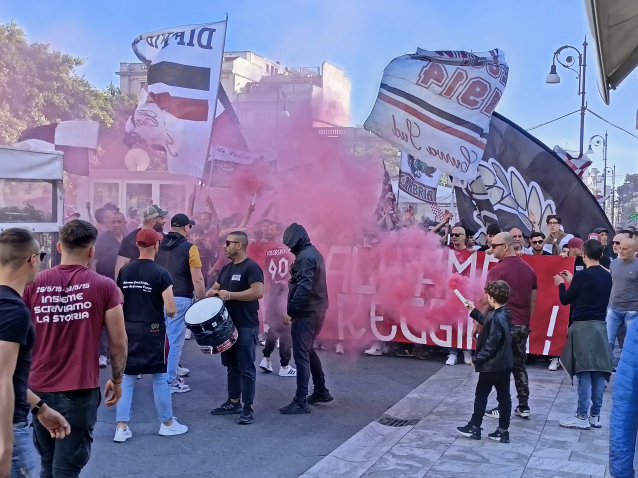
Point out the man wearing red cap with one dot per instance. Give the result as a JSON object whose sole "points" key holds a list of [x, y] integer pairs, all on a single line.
{"points": [[147, 289]]}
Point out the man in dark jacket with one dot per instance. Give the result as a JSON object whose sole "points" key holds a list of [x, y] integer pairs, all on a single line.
{"points": [[306, 310], [494, 361], [181, 259]]}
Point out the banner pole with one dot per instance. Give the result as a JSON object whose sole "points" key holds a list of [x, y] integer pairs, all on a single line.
{"points": [[210, 138]]}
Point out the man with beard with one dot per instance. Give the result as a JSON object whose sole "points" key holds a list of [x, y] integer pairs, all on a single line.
{"points": [[537, 239], [153, 219], [306, 311], [106, 251], [240, 284], [522, 281]]}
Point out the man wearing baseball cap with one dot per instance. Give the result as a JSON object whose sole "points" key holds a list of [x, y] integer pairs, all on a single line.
{"points": [[148, 291], [181, 259], [153, 219]]}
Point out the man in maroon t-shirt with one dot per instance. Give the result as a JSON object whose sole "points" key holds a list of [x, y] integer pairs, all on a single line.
{"points": [[276, 267], [69, 305], [522, 281]]}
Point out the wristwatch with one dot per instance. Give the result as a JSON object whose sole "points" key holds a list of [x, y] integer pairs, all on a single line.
{"points": [[36, 409]]}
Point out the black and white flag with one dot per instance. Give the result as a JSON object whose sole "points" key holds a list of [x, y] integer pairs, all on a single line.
{"points": [[177, 110], [518, 176]]}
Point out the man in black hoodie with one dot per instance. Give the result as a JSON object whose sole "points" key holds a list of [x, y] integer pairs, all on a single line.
{"points": [[306, 310], [181, 259]]}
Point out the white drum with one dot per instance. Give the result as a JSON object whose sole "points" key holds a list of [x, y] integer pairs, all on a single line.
{"points": [[211, 325]]}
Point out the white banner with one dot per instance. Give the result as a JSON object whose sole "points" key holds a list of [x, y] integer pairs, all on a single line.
{"points": [[227, 160], [418, 179], [177, 111], [437, 105]]}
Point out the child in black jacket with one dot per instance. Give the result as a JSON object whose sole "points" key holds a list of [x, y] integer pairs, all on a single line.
{"points": [[493, 361]]}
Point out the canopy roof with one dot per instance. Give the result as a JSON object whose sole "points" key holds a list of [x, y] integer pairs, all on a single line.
{"points": [[614, 27], [21, 163]]}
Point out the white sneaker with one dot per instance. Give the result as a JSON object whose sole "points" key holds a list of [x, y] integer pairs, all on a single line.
{"points": [[178, 386], [553, 364], [288, 371], [575, 422], [451, 360], [467, 357], [102, 361], [266, 365], [189, 334], [594, 422], [122, 435], [139, 377], [175, 429], [375, 349], [182, 371], [277, 343], [339, 348]]}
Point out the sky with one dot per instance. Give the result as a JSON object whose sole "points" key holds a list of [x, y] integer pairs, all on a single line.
{"points": [[362, 37]]}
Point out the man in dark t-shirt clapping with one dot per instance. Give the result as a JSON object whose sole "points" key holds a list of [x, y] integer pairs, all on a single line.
{"points": [[240, 284]]}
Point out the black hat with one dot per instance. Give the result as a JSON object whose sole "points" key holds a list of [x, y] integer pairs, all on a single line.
{"points": [[598, 230], [181, 220]]}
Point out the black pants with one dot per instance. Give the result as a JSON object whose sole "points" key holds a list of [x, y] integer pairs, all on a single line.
{"points": [[240, 365], [304, 332], [65, 458], [519, 350], [501, 381]]}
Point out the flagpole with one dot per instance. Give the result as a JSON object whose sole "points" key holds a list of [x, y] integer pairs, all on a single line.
{"points": [[210, 139]]}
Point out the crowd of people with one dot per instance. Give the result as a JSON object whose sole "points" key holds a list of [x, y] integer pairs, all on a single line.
{"points": [[124, 284]]}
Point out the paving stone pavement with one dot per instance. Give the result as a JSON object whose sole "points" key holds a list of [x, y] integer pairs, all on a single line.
{"points": [[430, 446]]}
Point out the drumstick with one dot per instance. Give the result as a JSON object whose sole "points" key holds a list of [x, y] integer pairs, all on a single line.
{"points": [[253, 203]]}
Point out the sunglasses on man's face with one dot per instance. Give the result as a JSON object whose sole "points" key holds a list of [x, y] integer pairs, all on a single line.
{"points": [[41, 254], [615, 243], [496, 245], [537, 242], [228, 243], [456, 234]]}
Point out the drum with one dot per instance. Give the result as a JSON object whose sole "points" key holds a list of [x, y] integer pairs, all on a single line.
{"points": [[211, 325]]}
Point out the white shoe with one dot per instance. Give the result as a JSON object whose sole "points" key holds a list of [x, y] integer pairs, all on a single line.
{"points": [[266, 365], [451, 360], [288, 371], [339, 348], [467, 357], [139, 377], [175, 429], [553, 364], [277, 343], [178, 386], [375, 349], [189, 334], [594, 422], [575, 422], [122, 435], [102, 361], [182, 371]]}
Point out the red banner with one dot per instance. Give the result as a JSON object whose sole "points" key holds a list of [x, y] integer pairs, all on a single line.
{"points": [[406, 295]]}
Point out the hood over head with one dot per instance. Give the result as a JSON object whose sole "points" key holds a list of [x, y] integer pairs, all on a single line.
{"points": [[172, 240], [296, 237]]}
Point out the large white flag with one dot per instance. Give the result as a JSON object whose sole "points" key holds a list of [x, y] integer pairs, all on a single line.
{"points": [[437, 106], [177, 112], [418, 179]]}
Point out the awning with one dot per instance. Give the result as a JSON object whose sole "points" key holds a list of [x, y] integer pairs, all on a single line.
{"points": [[20, 163], [614, 27]]}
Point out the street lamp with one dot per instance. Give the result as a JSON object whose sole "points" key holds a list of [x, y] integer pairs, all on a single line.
{"points": [[568, 62], [601, 143], [283, 112]]}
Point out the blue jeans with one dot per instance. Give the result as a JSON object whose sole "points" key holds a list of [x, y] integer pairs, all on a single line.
{"points": [[161, 394], [176, 333], [239, 361], [614, 320], [591, 386], [23, 461]]}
